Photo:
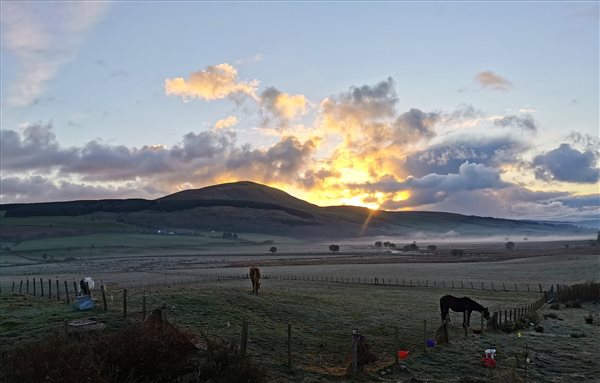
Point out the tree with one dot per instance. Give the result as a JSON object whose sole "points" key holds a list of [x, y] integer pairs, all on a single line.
{"points": [[457, 252], [378, 244], [509, 245], [432, 247], [334, 248], [273, 250]]}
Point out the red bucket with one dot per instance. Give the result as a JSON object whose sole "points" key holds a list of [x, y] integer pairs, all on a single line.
{"points": [[403, 354], [488, 362]]}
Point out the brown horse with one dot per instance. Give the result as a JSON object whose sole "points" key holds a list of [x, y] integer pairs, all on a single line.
{"points": [[255, 278]]}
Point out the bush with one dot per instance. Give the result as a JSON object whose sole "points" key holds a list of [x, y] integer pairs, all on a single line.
{"points": [[457, 252], [432, 247], [509, 245], [161, 353]]}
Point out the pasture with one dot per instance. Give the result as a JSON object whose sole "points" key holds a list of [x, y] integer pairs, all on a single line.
{"points": [[323, 316]]}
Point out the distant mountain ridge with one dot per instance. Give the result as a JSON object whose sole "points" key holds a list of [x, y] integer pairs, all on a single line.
{"points": [[251, 207]]}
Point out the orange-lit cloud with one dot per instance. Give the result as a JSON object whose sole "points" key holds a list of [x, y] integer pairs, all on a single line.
{"points": [[214, 82], [226, 122]]}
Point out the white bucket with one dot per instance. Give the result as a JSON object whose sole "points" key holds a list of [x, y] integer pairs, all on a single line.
{"points": [[490, 353]]}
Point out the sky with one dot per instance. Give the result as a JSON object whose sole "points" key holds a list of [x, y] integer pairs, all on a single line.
{"points": [[477, 108]]}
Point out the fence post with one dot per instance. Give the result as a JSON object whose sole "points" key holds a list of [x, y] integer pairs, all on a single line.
{"points": [[541, 291], [505, 317], [425, 334], [355, 354], [13, 287], [244, 341], [528, 288], [446, 338], [21, 287], [462, 286], [75, 288], [57, 290], [503, 287], [289, 345], [49, 288], [27, 288], [492, 284], [34, 288], [465, 322], [482, 322], [104, 297], [124, 303], [67, 292], [144, 308], [41, 286], [472, 288], [396, 341], [516, 287], [482, 286]]}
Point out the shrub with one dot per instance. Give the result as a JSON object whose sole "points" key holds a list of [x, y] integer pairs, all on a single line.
{"points": [[457, 252], [432, 247], [509, 245], [161, 353]]}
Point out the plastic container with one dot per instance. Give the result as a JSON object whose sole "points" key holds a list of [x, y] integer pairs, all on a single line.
{"points": [[488, 362], [490, 353], [403, 354], [430, 343]]}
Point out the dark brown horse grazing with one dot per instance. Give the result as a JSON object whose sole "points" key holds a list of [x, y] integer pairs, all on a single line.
{"points": [[464, 305], [255, 278]]}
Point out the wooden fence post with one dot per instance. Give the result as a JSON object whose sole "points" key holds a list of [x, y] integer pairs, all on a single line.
{"points": [[465, 322], [75, 288], [57, 290], [528, 288], [124, 303], [446, 338], [103, 289], [143, 307], [41, 287], [289, 345], [505, 317], [541, 291], [27, 288], [355, 354], [462, 286], [492, 283], [472, 288], [482, 323], [13, 287], [516, 289], [482, 286], [67, 292], [425, 334], [244, 342], [21, 286], [503, 287], [396, 344], [49, 288]]}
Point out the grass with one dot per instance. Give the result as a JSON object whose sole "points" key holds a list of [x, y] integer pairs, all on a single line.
{"points": [[322, 317]]}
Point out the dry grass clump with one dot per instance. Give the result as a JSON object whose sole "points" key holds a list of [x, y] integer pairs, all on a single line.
{"points": [[582, 292]]}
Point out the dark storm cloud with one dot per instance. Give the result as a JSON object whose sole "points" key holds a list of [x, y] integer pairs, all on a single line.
{"points": [[524, 122], [567, 164], [448, 156]]}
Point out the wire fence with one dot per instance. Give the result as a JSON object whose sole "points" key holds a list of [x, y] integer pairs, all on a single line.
{"points": [[317, 341]]}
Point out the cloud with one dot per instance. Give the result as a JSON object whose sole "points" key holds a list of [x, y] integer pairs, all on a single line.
{"points": [[488, 79], [413, 125], [38, 188], [525, 122], [434, 188], [212, 83], [197, 159], [568, 165], [227, 122], [44, 37], [447, 156], [282, 106]]}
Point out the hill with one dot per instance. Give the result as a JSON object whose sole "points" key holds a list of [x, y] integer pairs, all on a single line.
{"points": [[249, 207]]}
